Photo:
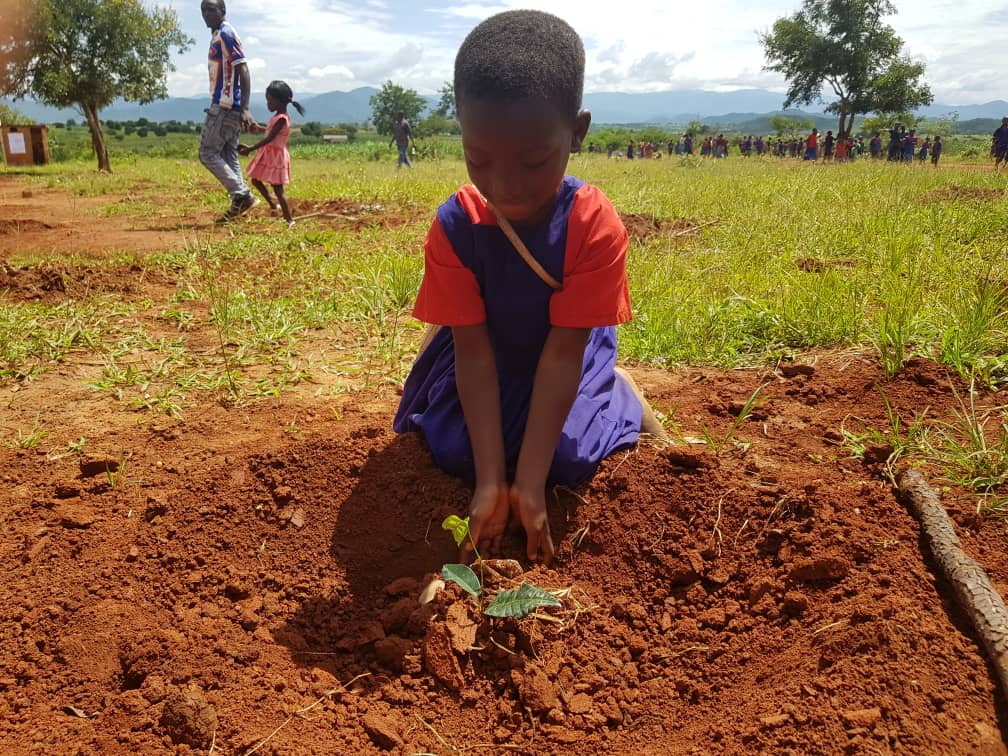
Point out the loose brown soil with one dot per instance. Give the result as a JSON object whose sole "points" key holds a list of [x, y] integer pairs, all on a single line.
{"points": [[344, 214], [816, 265], [975, 193], [643, 227], [246, 578]]}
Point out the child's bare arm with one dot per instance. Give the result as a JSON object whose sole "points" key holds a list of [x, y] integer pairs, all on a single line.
{"points": [[273, 133], [556, 383], [476, 378]]}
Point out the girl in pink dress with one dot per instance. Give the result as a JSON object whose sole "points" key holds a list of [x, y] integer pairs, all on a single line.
{"points": [[271, 165]]}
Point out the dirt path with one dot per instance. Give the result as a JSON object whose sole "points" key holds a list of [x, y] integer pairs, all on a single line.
{"points": [[247, 580]]}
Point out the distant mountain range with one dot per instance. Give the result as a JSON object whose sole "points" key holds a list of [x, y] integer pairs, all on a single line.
{"points": [[673, 107]]}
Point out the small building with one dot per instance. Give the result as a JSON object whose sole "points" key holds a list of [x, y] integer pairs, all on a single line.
{"points": [[335, 138], [25, 145]]}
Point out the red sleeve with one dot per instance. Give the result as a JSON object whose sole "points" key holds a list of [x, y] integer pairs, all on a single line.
{"points": [[595, 291], [449, 293]]}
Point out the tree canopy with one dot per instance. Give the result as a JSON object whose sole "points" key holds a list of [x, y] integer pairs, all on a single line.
{"points": [[446, 105], [843, 45], [391, 99], [792, 127], [87, 53]]}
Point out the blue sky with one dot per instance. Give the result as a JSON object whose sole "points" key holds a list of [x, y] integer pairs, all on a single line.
{"points": [[648, 45]]}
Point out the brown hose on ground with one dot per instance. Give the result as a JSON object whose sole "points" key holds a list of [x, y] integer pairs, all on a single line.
{"points": [[970, 584]]}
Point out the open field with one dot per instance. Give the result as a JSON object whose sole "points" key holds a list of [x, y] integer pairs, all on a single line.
{"points": [[213, 541]]}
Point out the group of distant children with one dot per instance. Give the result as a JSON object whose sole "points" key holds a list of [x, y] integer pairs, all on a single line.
{"points": [[903, 146]]}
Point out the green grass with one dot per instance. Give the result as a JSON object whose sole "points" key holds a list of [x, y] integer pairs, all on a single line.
{"points": [[897, 266]]}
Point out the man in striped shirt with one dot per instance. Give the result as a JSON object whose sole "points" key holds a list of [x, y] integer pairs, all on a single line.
{"points": [[228, 116]]}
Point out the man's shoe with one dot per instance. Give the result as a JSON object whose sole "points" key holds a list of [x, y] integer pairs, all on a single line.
{"points": [[240, 205], [246, 203]]}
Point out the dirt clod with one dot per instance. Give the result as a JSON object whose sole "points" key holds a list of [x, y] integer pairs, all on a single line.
{"points": [[862, 717], [819, 569], [188, 719], [535, 689], [382, 731], [439, 658]]}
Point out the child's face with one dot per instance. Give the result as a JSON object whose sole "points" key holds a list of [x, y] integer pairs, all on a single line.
{"points": [[516, 153], [272, 103]]}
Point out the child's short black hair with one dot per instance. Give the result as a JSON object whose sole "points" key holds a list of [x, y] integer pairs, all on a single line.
{"points": [[519, 54]]}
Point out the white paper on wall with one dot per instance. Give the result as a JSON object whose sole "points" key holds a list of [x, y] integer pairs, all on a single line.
{"points": [[16, 143]]}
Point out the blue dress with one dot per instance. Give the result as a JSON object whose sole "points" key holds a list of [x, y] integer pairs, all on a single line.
{"points": [[582, 245]]}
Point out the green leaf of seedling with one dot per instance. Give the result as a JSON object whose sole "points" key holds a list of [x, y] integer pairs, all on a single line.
{"points": [[459, 573], [458, 527], [520, 601]]}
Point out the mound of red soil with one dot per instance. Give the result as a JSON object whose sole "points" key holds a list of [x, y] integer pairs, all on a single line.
{"points": [[49, 284], [23, 225], [250, 579]]}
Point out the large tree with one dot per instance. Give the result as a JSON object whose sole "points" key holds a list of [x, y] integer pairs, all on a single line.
{"points": [[391, 99], [843, 45], [87, 53]]}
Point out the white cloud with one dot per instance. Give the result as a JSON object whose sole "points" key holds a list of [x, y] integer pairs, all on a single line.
{"points": [[402, 60], [326, 71], [611, 54], [657, 67], [650, 45]]}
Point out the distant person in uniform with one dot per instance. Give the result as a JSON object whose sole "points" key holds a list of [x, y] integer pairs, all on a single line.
{"points": [[875, 146], [894, 148], [936, 151], [828, 145], [812, 146], [909, 146], [228, 116]]}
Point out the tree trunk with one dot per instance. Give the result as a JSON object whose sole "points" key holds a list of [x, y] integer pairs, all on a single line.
{"points": [[97, 137], [842, 126]]}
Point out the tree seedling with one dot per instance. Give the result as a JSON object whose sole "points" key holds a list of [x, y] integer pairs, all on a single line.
{"points": [[717, 444], [516, 602]]}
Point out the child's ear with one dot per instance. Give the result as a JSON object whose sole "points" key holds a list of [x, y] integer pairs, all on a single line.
{"points": [[581, 124]]}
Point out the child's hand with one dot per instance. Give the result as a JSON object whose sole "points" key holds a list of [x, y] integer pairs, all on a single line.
{"points": [[488, 517], [530, 507], [243, 149]]}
